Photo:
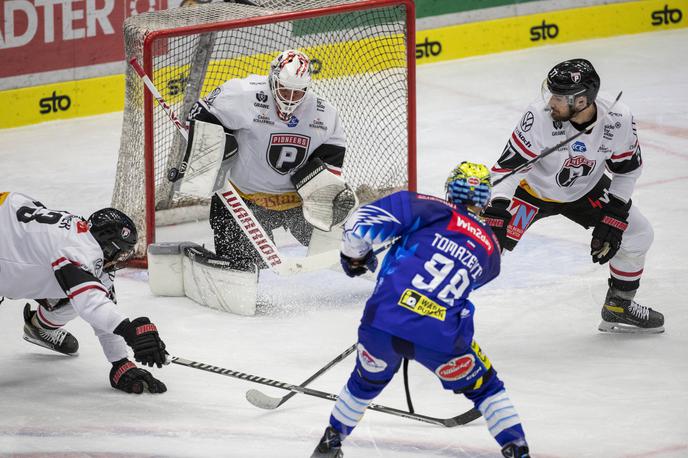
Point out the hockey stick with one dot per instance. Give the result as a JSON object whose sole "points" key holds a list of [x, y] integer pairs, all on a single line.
{"points": [[262, 400], [237, 207], [462, 419], [552, 149]]}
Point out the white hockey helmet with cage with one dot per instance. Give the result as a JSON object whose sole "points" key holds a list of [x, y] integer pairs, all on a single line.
{"points": [[289, 79]]}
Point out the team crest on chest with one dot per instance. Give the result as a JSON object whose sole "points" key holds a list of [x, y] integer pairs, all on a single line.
{"points": [[574, 168], [287, 151]]}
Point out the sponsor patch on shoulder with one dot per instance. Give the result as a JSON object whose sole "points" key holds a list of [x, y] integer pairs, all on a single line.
{"points": [[467, 226]]}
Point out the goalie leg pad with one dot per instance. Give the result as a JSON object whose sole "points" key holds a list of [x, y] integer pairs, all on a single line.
{"points": [[327, 199]]}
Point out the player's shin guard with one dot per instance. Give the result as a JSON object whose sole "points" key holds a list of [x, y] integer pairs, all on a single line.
{"points": [[347, 412], [502, 419]]}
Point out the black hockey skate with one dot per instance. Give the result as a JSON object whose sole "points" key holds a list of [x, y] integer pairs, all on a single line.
{"points": [[58, 340], [627, 316], [514, 450], [330, 445]]}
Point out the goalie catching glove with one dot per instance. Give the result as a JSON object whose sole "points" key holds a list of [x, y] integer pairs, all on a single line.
{"points": [[327, 199]]}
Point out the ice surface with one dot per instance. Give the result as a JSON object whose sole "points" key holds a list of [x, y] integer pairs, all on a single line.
{"points": [[579, 392]]}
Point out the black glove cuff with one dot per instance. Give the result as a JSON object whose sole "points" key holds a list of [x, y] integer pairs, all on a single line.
{"points": [[124, 330], [500, 203], [617, 207]]}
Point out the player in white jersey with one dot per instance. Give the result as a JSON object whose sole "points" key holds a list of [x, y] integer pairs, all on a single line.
{"points": [[589, 181], [67, 264], [277, 132]]}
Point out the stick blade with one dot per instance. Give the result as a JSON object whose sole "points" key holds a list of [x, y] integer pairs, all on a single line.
{"points": [[262, 400]]}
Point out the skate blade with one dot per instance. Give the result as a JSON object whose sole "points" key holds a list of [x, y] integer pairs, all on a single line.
{"points": [[620, 328], [42, 344]]}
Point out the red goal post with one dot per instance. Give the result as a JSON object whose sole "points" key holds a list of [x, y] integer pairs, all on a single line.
{"points": [[363, 62]]}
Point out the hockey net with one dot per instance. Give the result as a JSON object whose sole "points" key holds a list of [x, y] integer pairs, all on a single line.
{"points": [[363, 62]]}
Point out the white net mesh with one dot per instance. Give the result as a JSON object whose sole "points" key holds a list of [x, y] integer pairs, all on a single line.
{"points": [[359, 64]]}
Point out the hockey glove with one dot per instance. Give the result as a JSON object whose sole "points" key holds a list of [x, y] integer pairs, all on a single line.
{"points": [[607, 235], [497, 216], [355, 267], [142, 336], [125, 376]]}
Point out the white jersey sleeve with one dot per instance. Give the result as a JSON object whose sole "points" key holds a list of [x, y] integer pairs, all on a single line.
{"points": [[50, 254]]}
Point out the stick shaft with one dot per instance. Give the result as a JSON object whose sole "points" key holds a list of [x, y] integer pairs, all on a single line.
{"points": [[450, 422]]}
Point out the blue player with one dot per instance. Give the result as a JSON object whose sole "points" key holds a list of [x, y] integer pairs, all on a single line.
{"points": [[420, 308]]}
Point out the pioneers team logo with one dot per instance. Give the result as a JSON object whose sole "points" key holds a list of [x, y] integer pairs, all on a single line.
{"points": [[573, 169], [287, 151]]}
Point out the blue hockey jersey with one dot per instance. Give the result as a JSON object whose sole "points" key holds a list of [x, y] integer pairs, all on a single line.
{"points": [[443, 252]]}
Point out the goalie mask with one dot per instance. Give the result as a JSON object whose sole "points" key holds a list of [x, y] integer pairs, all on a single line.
{"points": [[469, 184], [289, 79], [116, 234]]}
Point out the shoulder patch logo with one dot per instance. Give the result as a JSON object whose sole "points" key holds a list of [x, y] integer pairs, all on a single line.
{"points": [[527, 121], [3, 196]]}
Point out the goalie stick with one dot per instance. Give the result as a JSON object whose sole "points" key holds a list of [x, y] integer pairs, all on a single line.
{"points": [[552, 149], [458, 420], [263, 401]]}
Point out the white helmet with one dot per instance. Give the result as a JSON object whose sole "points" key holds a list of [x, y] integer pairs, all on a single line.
{"points": [[289, 79]]}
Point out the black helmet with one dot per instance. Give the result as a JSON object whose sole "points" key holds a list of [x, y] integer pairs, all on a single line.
{"points": [[115, 232], [574, 77]]}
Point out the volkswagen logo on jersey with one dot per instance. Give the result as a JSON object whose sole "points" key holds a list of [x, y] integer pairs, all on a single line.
{"points": [[579, 147], [527, 121], [293, 121], [368, 361]]}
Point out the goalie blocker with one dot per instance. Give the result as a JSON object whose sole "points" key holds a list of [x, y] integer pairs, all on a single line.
{"points": [[327, 199]]}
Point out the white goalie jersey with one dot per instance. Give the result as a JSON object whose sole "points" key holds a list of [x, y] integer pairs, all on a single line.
{"points": [[570, 172], [270, 149], [49, 254]]}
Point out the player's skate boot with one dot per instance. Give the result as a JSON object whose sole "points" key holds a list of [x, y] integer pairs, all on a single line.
{"points": [[54, 339], [620, 313], [330, 445], [515, 450]]}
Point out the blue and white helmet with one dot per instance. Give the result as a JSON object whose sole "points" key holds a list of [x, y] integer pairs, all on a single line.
{"points": [[469, 184]]}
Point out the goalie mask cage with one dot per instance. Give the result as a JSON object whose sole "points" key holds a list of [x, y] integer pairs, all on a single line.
{"points": [[362, 61]]}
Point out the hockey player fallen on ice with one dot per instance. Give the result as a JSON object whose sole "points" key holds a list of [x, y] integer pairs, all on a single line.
{"points": [[420, 308], [284, 147], [572, 182], [67, 265]]}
